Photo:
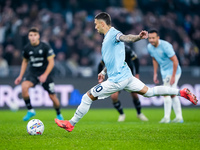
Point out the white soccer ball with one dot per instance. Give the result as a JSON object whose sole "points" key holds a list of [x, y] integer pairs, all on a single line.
{"points": [[35, 127]]}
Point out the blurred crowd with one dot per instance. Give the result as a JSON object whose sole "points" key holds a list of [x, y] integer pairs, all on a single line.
{"points": [[68, 26]]}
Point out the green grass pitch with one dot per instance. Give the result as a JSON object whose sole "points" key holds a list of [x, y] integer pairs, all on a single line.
{"points": [[99, 130]]}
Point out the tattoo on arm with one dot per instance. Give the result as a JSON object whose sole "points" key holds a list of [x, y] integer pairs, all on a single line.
{"points": [[129, 38]]}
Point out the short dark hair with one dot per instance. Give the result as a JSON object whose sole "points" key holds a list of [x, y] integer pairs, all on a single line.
{"points": [[154, 31], [33, 29], [104, 16]]}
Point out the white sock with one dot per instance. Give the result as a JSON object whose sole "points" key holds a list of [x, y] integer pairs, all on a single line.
{"points": [[161, 91], [167, 106], [31, 110], [177, 107], [82, 109]]}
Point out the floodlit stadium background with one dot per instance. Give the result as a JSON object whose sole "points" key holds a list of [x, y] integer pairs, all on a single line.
{"points": [[68, 27]]}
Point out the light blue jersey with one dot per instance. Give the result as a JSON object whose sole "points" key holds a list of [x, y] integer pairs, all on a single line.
{"points": [[162, 55], [113, 54]]}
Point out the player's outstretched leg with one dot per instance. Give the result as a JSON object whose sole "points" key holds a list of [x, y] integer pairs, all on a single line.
{"points": [[65, 124], [188, 95], [164, 91]]}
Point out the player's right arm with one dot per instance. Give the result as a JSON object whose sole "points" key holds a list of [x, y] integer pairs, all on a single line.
{"points": [[134, 38], [22, 71], [155, 70]]}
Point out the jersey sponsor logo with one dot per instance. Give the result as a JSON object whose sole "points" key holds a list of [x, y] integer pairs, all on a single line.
{"points": [[37, 64], [33, 59]]}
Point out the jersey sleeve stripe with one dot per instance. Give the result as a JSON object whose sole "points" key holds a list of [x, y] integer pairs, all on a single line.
{"points": [[51, 56]]}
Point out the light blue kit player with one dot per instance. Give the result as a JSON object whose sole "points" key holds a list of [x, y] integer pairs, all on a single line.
{"points": [[119, 74], [163, 55]]}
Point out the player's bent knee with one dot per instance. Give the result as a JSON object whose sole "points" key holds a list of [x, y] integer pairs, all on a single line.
{"points": [[89, 94], [26, 85], [25, 88], [53, 96], [149, 93]]}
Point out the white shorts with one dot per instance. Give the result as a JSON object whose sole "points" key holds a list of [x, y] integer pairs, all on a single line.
{"points": [[166, 81], [107, 88]]}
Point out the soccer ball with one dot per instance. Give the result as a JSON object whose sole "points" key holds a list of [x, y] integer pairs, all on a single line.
{"points": [[35, 127]]}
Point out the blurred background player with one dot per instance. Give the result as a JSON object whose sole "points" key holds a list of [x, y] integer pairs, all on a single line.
{"points": [[131, 58], [40, 57], [162, 53]]}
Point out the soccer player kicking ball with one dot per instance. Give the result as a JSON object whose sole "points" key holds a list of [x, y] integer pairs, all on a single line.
{"points": [[130, 58], [119, 74], [41, 58]]}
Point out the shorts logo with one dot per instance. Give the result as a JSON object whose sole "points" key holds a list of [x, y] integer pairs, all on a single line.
{"points": [[51, 87]]}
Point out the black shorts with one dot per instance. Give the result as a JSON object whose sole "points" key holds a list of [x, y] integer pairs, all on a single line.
{"points": [[48, 85]]}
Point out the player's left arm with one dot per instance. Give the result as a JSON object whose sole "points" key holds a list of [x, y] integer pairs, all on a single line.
{"points": [[133, 38], [175, 65], [101, 75]]}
